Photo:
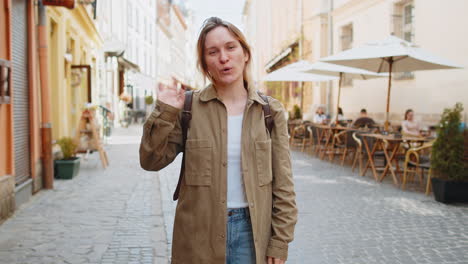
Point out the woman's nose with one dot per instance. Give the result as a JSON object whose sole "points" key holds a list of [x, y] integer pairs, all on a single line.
{"points": [[223, 57]]}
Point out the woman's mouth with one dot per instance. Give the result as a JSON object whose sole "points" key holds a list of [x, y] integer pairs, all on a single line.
{"points": [[226, 70]]}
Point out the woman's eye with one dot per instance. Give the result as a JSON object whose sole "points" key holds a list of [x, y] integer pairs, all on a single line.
{"points": [[212, 52], [231, 47]]}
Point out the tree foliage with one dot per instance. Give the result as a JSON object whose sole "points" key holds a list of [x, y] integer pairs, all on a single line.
{"points": [[447, 151]]}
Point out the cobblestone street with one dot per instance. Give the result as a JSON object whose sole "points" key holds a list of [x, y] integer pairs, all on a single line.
{"points": [[346, 218], [124, 215], [101, 216]]}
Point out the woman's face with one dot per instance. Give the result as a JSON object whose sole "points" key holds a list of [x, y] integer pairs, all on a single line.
{"points": [[410, 116], [224, 56]]}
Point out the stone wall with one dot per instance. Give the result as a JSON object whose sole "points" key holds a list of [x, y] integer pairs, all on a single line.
{"points": [[7, 196]]}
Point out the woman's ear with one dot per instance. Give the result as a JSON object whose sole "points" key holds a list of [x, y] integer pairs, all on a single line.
{"points": [[246, 56]]}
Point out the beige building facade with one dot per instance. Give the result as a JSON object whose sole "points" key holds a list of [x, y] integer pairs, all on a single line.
{"points": [[329, 27]]}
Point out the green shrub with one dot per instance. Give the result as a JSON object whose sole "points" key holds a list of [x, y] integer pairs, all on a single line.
{"points": [[447, 151]]}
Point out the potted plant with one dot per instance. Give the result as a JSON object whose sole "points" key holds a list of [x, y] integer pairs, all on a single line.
{"points": [[450, 177], [297, 114], [69, 165], [149, 100]]}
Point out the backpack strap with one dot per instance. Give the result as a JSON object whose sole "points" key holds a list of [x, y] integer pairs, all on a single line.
{"points": [[267, 112], [185, 124]]}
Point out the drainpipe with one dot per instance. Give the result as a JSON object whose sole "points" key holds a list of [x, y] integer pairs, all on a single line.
{"points": [[301, 47], [330, 52], [46, 125]]}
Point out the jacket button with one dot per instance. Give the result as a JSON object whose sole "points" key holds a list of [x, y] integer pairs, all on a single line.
{"points": [[222, 236], [224, 164]]}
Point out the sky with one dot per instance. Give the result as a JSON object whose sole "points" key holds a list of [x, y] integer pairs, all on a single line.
{"points": [[230, 10]]}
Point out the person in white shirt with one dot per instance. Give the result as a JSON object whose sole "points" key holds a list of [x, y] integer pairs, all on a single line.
{"points": [[338, 118], [320, 117], [409, 126]]}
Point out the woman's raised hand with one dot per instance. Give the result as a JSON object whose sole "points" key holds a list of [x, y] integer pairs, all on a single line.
{"points": [[171, 95]]}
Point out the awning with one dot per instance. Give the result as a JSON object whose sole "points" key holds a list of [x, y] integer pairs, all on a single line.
{"points": [[128, 64], [279, 57], [112, 50]]}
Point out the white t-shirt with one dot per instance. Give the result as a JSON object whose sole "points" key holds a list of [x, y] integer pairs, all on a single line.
{"points": [[319, 118], [235, 183]]}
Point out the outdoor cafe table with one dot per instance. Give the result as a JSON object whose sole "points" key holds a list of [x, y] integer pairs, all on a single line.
{"points": [[327, 133], [390, 153]]}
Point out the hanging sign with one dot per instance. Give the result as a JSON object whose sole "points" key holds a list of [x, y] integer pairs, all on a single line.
{"points": [[65, 3]]}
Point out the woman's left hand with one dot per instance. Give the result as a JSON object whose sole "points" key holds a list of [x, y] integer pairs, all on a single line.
{"points": [[271, 260]]}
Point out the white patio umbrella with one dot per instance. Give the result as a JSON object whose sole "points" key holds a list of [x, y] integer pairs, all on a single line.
{"points": [[294, 72], [390, 55], [339, 71]]}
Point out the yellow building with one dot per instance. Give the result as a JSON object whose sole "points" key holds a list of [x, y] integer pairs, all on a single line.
{"points": [[74, 43]]}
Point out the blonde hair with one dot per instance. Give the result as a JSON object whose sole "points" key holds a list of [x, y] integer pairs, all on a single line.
{"points": [[210, 24]]}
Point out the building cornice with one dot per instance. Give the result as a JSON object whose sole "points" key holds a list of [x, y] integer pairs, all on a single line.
{"points": [[89, 24], [352, 4]]}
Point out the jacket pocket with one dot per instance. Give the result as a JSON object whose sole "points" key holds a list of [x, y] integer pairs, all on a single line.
{"points": [[263, 162], [198, 161]]}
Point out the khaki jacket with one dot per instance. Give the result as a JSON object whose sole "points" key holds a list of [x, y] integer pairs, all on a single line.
{"points": [[201, 215]]}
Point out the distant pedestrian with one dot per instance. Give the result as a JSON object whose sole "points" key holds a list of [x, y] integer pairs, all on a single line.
{"points": [[237, 199]]}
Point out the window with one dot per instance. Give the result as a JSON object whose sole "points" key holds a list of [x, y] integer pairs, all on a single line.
{"points": [[408, 18], [130, 13], [151, 34], [136, 20], [347, 43], [403, 27], [403, 20], [346, 37]]}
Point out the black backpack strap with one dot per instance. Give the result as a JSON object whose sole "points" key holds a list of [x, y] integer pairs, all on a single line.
{"points": [[267, 113], [185, 124]]}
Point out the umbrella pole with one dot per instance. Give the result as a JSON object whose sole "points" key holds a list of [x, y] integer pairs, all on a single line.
{"points": [[339, 94], [390, 65], [302, 96]]}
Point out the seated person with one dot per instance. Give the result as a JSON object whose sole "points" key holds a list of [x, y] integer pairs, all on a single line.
{"points": [[409, 127], [339, 118], [320, 117], [363, 120]]}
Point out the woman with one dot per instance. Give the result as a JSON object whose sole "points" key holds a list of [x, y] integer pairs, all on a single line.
{"points": [[339, 118], [320, 117], [410, 127], [237, 200]]}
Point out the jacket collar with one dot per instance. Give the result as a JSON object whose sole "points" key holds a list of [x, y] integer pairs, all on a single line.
{"points": [[209, 93]]}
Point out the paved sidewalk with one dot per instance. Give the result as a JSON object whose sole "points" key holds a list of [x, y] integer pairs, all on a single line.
{"points": [[346, 218], [125, 215], [101, 216]]}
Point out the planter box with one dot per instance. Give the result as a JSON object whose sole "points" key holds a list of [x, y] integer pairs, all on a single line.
{"points": [[450, 191], [66, 169]]}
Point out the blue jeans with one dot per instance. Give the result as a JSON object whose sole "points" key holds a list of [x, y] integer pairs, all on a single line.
{"points": [[240, 248]]}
